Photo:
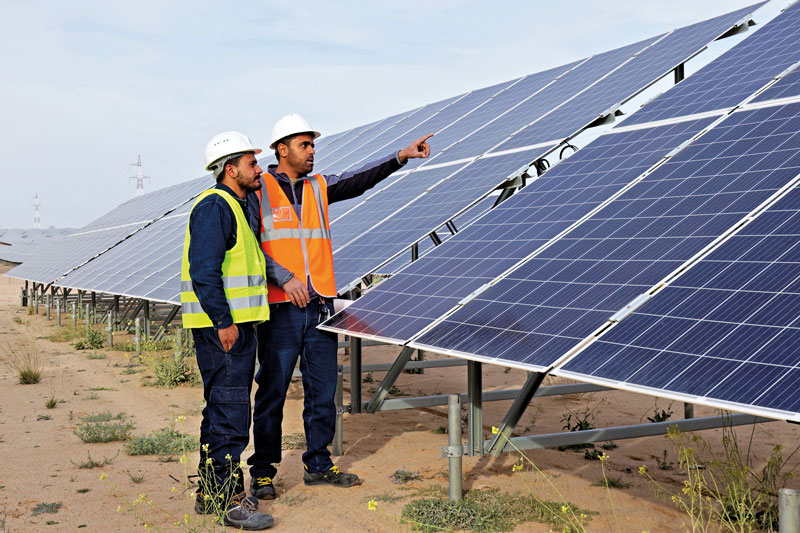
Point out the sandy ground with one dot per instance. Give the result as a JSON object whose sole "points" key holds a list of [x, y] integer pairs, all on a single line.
{"points": [[40, 454]]}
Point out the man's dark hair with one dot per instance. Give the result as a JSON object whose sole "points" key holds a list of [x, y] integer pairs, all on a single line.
{"points": [[232, 161]]}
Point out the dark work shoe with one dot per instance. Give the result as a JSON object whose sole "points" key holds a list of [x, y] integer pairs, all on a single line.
{"points": [[243, 513], [262, 488], [333, 476]]}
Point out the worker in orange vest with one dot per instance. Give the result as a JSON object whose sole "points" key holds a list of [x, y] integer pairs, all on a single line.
{"points": [[295, 237]]}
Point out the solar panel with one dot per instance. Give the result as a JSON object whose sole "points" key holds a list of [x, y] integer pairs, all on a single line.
{"points": [[106, 231], [725, 333], [609, 93], [504, 122], [788, 86], [733, 76], [554, 300], [425, 214], [403, 305]]}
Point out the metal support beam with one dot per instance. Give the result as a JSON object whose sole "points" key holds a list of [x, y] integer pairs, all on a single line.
{"points": [[680, 73], [58, 312], [337, 447], [389, 379], [789, 510], [25, 295], [451, 227], [571, 438], [475, 408], [454, 450], [355, 374], [435, 238], [688, 410], [505, 194], [515, 412], [414, 251], [146, 309], [430, 363]]}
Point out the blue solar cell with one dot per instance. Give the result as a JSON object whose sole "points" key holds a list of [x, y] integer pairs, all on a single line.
{"points": [[735, 75], [785, 87], [630, 79], [627, 247], [416, 296], [726, 331]]}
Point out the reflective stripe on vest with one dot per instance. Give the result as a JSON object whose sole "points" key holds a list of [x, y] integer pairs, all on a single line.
{"points": [[301, 245], [243, 275]]}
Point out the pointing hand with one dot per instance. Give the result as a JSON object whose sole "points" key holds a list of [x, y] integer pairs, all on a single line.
{"points": [[418, 149]]}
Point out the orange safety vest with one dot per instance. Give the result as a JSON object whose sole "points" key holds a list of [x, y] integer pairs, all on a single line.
{"points": [[301, 246]]}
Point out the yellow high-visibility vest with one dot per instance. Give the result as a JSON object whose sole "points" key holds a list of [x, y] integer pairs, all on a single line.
{"points": [[244, 275]]}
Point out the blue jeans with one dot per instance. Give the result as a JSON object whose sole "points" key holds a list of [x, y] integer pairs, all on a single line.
{"points": [[291, 332], [227, 382]]}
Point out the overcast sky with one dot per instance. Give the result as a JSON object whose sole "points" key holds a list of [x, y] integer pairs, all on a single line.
{"points": [[88, 86]]}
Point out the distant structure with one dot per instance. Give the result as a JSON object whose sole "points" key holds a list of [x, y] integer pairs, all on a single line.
{"points": [[37, 221], [138, 177]]}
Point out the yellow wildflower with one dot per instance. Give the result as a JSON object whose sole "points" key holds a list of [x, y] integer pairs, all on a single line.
{"points": [[227, 457], [495, 431], [516, 468], [181, 418], [603, 456], [372, 505], [103, 476], [642, 470], [564, 509], [208, 460], [205, 447]]}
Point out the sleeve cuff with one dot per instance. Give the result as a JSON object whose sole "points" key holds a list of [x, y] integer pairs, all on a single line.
{"points": [[289, 276], [224, 323], [397, 158]]}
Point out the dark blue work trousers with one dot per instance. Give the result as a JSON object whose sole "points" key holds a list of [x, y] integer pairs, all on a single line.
{"points": [[227, 382], [291, 332]]}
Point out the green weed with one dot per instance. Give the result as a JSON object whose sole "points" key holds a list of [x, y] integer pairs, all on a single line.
{"points": [[91, 463], [612, 483], [136, 478], [43, 417], [293, 441], [402, 476], [173, 369], [18, 320], [51, 402], [82, 491], [41, 508], [26, 360], [93, 339], [104, 427], [165, 441], [95, 355]]}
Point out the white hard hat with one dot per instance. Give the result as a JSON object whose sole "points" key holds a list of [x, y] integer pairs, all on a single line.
{"points": [[290, 124], [225, 144]]}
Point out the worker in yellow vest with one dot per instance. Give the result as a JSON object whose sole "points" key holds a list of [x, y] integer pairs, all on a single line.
{"points": [[223, 298], [295, 237]]}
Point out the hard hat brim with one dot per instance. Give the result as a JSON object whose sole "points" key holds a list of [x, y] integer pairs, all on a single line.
{"points": [[254, 151], [273, 145]]}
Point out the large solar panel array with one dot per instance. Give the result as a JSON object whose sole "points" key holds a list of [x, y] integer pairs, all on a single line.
{"points": [[550, 111], [725, 333]]}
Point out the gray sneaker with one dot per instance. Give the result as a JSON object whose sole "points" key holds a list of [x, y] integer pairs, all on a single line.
{"points": [[262, 488], [243, 513]]}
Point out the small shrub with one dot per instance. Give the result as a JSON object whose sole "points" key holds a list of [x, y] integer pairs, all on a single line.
{"points": [[165, 441], [51, 508], [82, 491], [95, 355], [51, 402], [612, 483], [176, 368], [367, 378], [18, 320], [104, 427], [93, 340], [578, 421], [136, 478], [661, 415], [26, 360], [402, 476], [43, 417]]}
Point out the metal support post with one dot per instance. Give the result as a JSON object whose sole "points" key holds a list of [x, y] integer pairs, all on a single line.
{"points": [[36, 302], [454, 450], [680, 73], [86, 319], [355, 374], [475, 408], [515, 412], [80, 303], [414, 252], [94, 307], [789, 510], [25, 295], [30, 301], [49, 305], [115, 309], [688, 410], [110, 329], [146, 310], [58, 312], [337, 447], [74, 317], [420, 357], [389, 379], [137, 339]]}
